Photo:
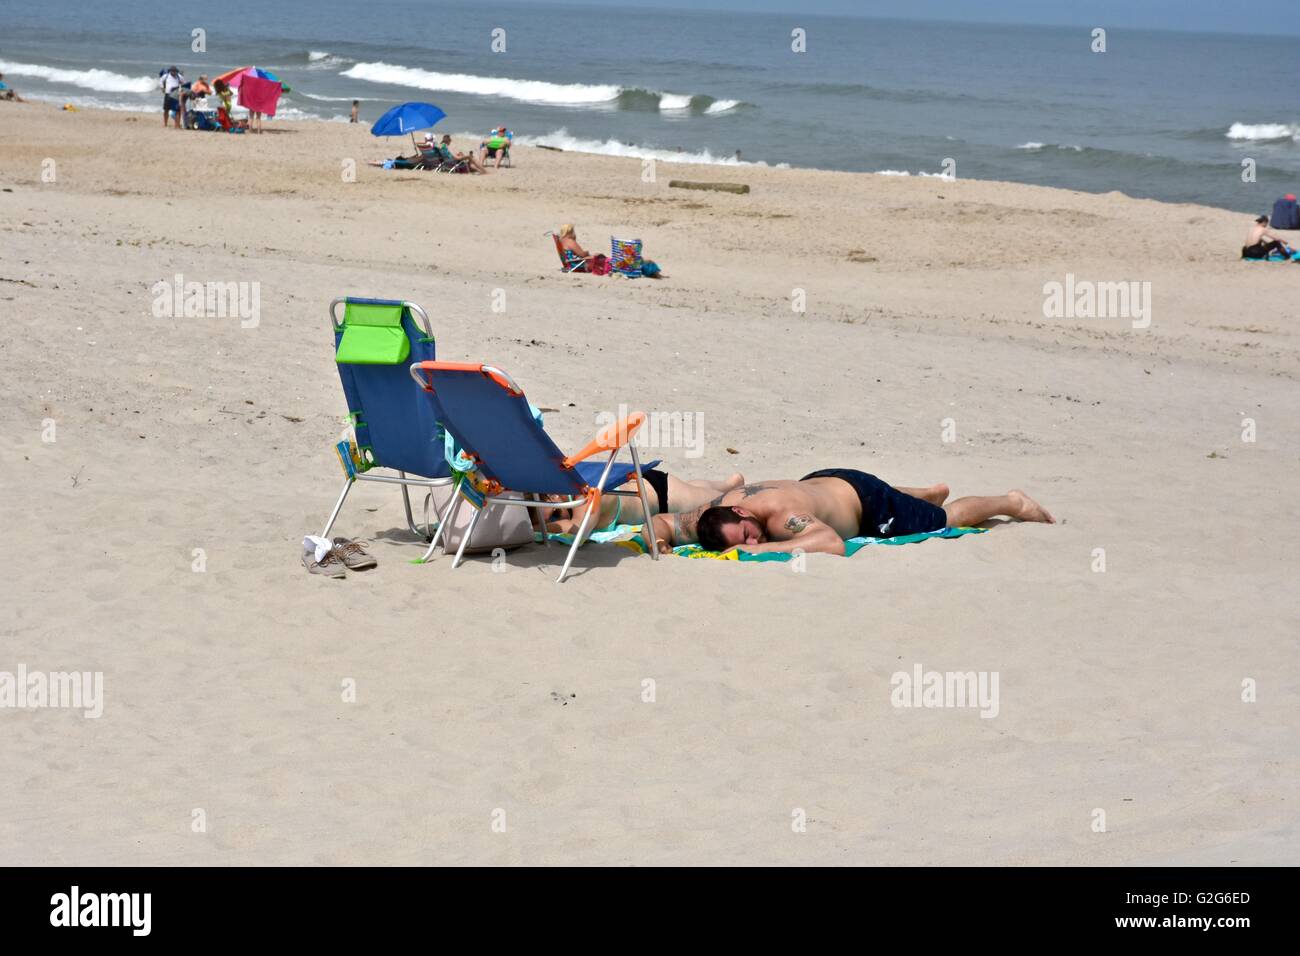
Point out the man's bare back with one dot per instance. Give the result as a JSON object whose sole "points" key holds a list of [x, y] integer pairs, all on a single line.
{"points": [[820, 513]]}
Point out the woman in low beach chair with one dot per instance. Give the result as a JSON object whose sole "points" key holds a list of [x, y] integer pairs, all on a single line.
{"points": [[573, 257]]}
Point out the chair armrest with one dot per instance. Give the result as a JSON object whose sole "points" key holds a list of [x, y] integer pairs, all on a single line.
{"points": [[610, 438]]}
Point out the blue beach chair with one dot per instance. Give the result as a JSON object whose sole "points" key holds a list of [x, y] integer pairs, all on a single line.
{"points": [[394, 426], [490, 417]]}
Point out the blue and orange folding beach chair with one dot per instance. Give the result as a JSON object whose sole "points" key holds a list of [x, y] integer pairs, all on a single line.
{"points": [[395, 427], [491, 419]]}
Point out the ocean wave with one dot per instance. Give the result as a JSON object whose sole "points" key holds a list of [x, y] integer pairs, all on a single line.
{"points": [[904, 172], [331, 99], [611, 147], [322, 59], [541, 92], [92, 102], [101, 81], [527, 91], [1032, 147], [1263, 132]]}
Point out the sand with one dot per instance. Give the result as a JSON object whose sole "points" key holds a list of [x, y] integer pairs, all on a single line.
{"points": [[500, 718]]}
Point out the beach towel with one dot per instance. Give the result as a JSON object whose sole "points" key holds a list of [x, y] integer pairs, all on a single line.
{"points": [[629, 537], [1294, 257], [258, 94]]}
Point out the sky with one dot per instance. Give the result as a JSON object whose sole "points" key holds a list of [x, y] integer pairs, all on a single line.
{"points": [[1210, 16]]}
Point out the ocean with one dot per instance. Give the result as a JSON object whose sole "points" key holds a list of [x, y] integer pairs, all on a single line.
{"points": [[1162, 115]]}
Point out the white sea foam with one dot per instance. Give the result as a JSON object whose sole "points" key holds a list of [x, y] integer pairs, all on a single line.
{"points": [[94, 102], [721, 106], [1263, 131], [1031, 146], [674, 101], [101, 81], [904, 172], [320, 59], [609, 147], [527, 91]]}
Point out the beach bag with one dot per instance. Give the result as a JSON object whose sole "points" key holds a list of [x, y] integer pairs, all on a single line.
{"points": [[498, 527], [625, 256], [598, 265], [1286, 214]]}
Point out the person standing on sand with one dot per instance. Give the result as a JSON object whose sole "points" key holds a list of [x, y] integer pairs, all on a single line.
{"points": [[821, 511], [1260, 243], [356, 112], [171, 83]]}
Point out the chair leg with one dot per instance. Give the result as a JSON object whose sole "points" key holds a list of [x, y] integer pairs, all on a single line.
{"points": [[577, 540], [648, 532], [460, 552], [406, 503], [453, 507], [338, 506]]}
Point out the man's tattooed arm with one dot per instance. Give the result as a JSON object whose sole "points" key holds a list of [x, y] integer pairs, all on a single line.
{"points": [[685, 525], [796, 524]]}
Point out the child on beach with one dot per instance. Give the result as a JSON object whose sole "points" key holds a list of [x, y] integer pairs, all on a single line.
{"points": [[356, 112], [8, 94]]}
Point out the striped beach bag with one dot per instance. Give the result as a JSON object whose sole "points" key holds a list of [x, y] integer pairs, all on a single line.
{"points": [[625, 257]]}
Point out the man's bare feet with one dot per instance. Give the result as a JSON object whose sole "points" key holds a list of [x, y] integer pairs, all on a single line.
{"points": [[1027, 509], [732, 482]]}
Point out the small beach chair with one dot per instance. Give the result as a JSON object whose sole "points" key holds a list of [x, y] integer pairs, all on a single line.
{"points": [[395, 427], [569, 261], [489, 415]]}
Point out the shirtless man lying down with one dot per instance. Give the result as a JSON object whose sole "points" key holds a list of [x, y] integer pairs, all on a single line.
{"points": [[822, 510]]}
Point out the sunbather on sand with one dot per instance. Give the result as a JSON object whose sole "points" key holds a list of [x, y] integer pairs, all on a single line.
{"points": [[667, 493], [822, 510], [474, 163], [1261, 243]]}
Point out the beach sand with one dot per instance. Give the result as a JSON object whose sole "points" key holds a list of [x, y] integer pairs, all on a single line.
{"points": [[487, 696]]}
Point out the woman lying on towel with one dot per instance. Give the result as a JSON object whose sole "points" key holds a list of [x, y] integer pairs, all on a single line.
{"points": [[667, 494]]}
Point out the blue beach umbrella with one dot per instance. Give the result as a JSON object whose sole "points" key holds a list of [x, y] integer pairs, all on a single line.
{"points": [[407, 118]]}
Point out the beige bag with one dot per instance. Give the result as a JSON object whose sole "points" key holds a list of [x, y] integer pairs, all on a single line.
{"points": [[498, 527]]}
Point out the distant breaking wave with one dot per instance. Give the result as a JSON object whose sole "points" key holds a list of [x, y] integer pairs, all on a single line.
{"points": [[540, 91], [320, 59], [1262, 132], [611, 147], [101, 81]]}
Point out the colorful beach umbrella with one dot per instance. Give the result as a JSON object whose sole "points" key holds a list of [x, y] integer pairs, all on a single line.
{"points": [[407, 118], [233, 77], [236, 76]]}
